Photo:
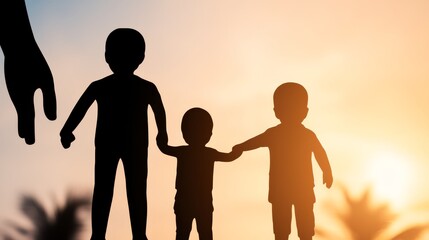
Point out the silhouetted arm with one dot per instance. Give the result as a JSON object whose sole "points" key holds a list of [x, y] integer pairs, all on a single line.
{"points": [[169, 150], [76, 116], [322, 160], [253, 143], [15, 26], [160, 118], [228, 157], [25, 67]]}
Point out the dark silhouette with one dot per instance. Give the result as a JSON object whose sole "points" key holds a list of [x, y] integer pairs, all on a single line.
{"points": [[122, 129], [291, 146], [194, 179], [25, 67], [65, 223]]}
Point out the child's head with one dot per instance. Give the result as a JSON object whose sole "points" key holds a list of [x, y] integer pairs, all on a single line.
{"points": [[125, 50], [290, 103], [197, 126]]}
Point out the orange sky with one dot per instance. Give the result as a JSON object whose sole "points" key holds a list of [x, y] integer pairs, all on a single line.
{"points": [[364, 64]]}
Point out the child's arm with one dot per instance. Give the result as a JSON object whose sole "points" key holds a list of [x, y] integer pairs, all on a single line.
{"points": [[229, 157], [169, 150], [76, 117], [160, 118], [322, 160], [251, 144]]}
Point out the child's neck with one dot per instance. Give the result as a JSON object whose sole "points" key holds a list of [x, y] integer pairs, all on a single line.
{"points": [[123, 74], [291, 124], [197, 145]]}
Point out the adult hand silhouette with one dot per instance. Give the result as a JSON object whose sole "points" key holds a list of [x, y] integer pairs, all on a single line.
{"points": [[25, 72], [25, 67]]}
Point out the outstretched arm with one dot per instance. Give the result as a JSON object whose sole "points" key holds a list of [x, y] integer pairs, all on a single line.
{"points": [[322, 160], [253, 143], [25, 67], [76, 117], [229, 157], [169, 150]]}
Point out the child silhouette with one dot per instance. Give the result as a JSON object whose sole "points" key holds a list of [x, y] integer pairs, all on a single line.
{"points": [[194, 179], [291, 175], [122, 130]]}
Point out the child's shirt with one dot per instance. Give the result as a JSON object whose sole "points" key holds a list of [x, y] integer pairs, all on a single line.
{"points": [[291, 173], [194, 179], [122, 119]]}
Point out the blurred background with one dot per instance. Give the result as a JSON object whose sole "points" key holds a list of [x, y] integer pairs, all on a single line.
{"points": [[364, 64]]}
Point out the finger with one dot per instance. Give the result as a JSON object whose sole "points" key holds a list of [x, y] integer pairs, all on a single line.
{"points": [[25, 112], [65, 144], [49, 100]]}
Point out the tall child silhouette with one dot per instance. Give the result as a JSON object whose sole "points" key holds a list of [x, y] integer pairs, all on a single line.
{"points": [[194, 179], [122, 130], [291, 146]]}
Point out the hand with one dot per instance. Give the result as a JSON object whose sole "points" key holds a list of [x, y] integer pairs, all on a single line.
{"points": [[237, 148], [162, 139], [236, 152], [327, 179], [25, 72], [67, 139]]}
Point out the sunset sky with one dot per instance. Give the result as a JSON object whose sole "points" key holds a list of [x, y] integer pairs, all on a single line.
{"points": [[364, 63]]}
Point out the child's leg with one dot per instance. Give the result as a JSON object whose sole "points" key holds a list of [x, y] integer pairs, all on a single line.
{"points": [[204, 225], [305, 220], [183, 225], [282, 217], [106, 163], [135, 168]]}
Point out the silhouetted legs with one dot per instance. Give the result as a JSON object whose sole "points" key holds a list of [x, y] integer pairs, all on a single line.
{"points": [[305, 220], [183, 226], [282, 217], [204, 222], [204, 225], [106, 163], [135, 168]]}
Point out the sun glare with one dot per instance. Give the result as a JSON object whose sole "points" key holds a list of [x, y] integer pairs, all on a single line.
{"points": [[391, 177]]}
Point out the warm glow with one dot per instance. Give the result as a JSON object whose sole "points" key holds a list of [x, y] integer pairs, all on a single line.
{"points": [[363, 63], [390, 174]]}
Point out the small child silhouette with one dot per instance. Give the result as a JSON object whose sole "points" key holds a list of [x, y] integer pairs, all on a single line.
{"points": [[194, 179], [291, 145], [122, 129]]}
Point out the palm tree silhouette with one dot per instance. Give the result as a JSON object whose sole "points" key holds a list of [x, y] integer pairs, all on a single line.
{"points": [[365, 220], [64, 224]]}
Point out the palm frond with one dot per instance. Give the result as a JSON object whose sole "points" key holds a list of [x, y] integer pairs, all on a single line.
{"points": [[64, 224], [362, 218], [18, 229], [35, 211], [411, 233]]}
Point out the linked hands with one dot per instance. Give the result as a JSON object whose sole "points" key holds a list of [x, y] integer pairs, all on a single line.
{"points": [[236, 152], [237, 148], [162, 139]]}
